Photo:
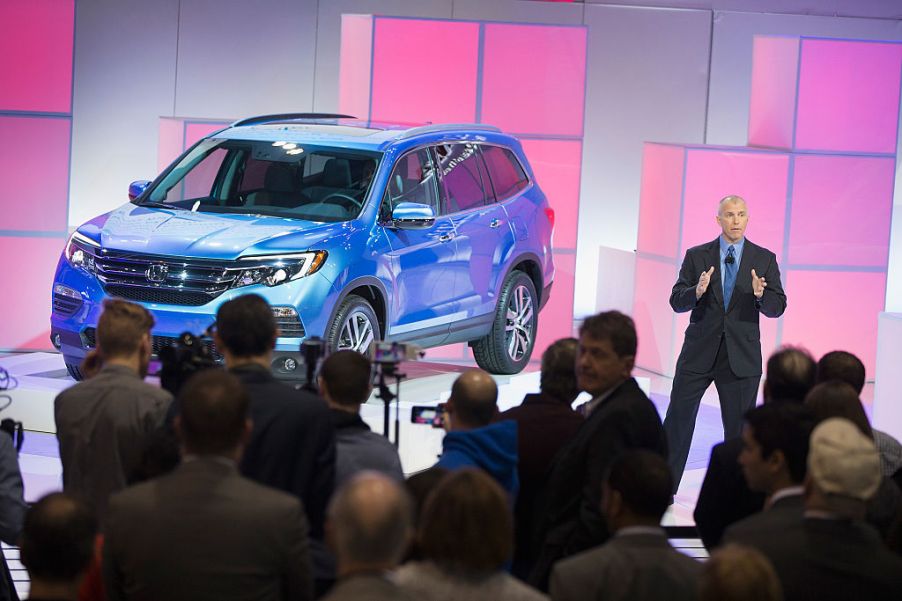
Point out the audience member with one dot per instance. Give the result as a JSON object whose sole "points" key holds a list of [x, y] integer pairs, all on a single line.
{"points": [[204, 531], [466, 536], [620, 417], [345, 381], [637, 563], [57, 546], [774, 460], [104, 423], [844, 366], [835, 398], [420, 486], [545, 422], [831, 553], [725, 498], [472, 440], [369, 525], [737, 573], [12, 508]]}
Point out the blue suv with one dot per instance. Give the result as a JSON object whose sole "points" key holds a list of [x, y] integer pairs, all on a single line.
{"points": [[353, 231]]}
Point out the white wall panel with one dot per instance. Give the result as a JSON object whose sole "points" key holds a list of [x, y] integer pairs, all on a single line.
{"points": [[519, 11], [647, 81], [125, 55], [238, 58]]}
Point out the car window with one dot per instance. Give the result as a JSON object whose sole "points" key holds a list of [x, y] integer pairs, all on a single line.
{"points": [[412, 180], [463, 177], [505, 171], [195, 180]]}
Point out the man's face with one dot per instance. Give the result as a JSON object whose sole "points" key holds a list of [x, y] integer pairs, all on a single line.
{"points": [[754, 466], [598, 367], [733, 217]]}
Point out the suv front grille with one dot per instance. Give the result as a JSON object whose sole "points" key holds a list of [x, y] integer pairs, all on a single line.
{"points": [[290, 327], [158, 342], [66, 305], [166, 280]]}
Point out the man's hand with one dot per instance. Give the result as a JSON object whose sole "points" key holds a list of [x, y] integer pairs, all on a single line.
{"points": [[758, 285], [703, 280]]}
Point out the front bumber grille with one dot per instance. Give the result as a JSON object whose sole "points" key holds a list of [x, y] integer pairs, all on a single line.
{"points": [[66, 305], [163, 296], [291, 327]]}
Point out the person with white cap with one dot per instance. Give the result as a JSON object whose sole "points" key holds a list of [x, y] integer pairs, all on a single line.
{"points": [[832, 553]]}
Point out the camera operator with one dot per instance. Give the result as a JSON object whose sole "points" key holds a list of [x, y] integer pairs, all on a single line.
{"points": [[345, 381], [104, 422], [292, 444]]}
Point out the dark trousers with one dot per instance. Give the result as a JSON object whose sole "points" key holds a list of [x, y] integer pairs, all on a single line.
{"points": [[737, 395]]}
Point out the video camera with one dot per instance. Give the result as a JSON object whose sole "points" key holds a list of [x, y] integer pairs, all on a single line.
{"points": [[182, 359]]}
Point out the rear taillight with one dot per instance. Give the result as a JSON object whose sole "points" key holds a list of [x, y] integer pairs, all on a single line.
{"points": [[549, 213]]}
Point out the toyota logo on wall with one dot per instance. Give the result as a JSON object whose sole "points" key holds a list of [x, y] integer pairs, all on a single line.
{"points": [[157, 273]]}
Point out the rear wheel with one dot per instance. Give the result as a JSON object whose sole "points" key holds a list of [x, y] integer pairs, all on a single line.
{"points": [[355, 326], [506, 349]]}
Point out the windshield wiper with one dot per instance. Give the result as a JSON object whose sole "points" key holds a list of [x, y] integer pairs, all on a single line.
{"points": [[160, 205]]}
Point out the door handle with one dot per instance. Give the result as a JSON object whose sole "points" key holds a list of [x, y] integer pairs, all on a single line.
{"points": [[445, 237], [494, 223]]}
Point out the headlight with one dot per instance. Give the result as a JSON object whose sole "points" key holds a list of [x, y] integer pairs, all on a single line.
{"points": [[272, 270], [79, 253]]}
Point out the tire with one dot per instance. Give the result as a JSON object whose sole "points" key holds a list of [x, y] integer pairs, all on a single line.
{"points": [[506, 349], [354, 326], [75, 371]]}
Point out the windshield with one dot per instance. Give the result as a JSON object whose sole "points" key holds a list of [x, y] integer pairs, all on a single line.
{"points": [[281, 179]]}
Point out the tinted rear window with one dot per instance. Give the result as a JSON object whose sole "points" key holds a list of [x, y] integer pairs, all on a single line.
{"points": [[507, 175]]}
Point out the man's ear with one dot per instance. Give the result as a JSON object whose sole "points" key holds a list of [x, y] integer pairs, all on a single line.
{"points": [[628, 362]]}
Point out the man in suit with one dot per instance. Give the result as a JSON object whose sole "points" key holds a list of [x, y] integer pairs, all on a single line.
{"points": [[204, 531], [725, 497], [638, 562], [831, 554], [774, 462], [620, 417], [545, 423], [726, 283], [369, 525]]}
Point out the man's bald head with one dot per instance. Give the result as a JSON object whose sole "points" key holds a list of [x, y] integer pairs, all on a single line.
{"points": [[731, 199], [474, 398], [370, 522]]}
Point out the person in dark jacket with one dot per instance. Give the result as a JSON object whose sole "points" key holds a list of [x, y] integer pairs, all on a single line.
{"points": [[472, 439], [345, 382], [546, 422]]}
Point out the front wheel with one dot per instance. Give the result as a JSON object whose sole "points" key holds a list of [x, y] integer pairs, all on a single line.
{"points": [[355, 326], [506, 349]]}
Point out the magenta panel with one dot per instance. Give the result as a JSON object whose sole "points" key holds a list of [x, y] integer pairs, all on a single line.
{"points": [[841, 210], [775, 62], [655, 323], [660, 199], [814, 301], [424, 70], [34, 169], [27, 323], [36, 40], [556, 319], [557, 167], [449, 352], [354, 65], [848, 96], [759, 177], [169, 142], [194, 131], [533, 78]]}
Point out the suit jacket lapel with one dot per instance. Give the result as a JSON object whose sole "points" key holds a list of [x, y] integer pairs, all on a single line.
{"points": [[715, 285], [744, 275]]}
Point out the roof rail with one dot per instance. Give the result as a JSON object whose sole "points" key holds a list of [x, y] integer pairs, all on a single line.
{"points": [[288, 117], [440, 127]]}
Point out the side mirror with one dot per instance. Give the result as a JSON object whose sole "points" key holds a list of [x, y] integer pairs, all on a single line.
{"points": [[412, 216], [136, 188]]}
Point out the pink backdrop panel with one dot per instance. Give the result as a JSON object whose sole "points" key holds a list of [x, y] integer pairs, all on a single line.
{"points": [[655, 324], [841, 210], [660, 198], [772, 104], [424, 71], [36, 38], [814, 302], [28, 324], [354, 66], [534, 78], [556, 319], [169, 142], [452, 352], [759, 177], [848, 95], [194, 131], [34, 169], [557, 167]]}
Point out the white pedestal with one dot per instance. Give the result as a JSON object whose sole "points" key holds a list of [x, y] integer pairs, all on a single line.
{"points": [[887, 413]]}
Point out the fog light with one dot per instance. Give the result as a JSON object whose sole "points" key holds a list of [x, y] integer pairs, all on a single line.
{"points": [[56, 341]]}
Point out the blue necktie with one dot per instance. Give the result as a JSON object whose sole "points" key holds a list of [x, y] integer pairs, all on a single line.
{"points": [[729, 277]]}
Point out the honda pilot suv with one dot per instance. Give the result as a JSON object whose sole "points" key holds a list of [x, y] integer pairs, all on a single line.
{"points": [[353, 231]]}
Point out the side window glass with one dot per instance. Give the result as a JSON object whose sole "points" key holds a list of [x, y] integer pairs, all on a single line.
{"points": [[507, 174], [412, 180], [463, 175], [196, 183]]}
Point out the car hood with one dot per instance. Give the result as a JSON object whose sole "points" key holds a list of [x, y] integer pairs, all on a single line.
{"points": [[182, 233]]}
